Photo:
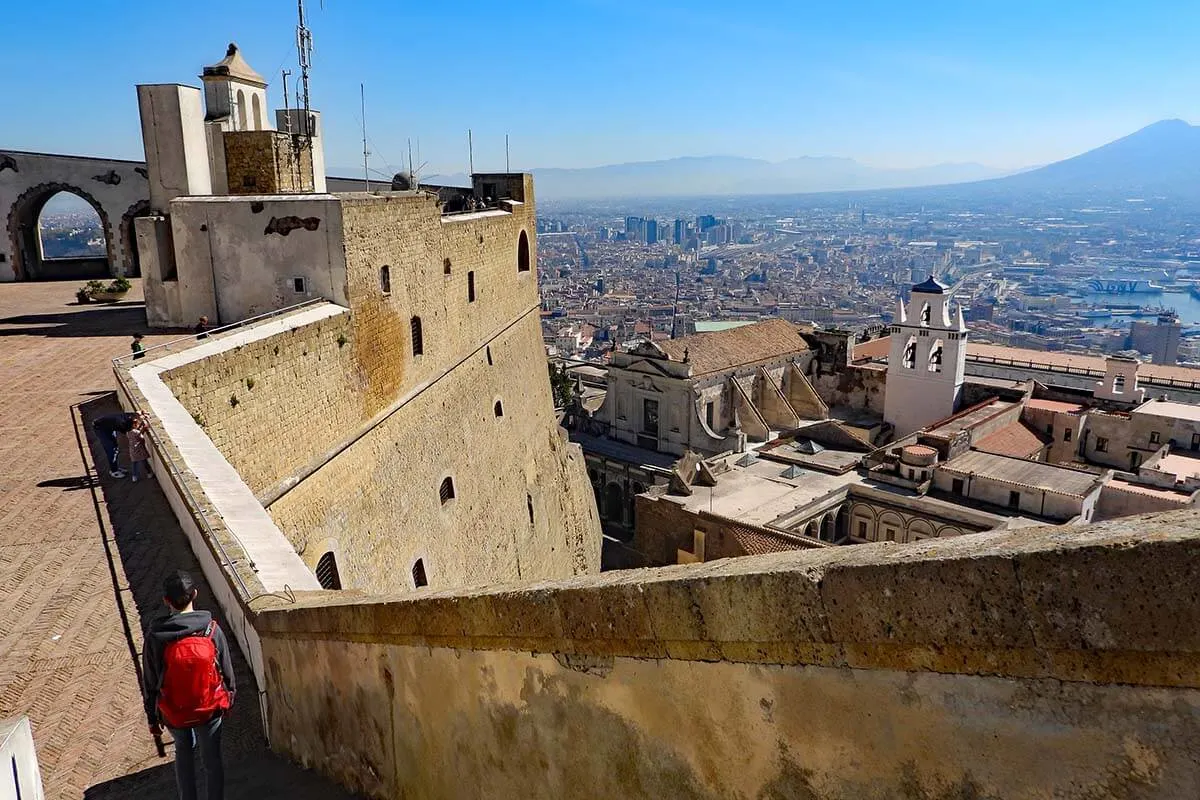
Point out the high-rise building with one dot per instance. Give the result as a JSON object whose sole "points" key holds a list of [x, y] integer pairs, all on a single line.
{"points": [[650, 226], [635, 229], [680, 232], [705, 222]]}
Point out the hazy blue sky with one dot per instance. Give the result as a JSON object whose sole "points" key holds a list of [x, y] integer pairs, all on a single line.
{"points": [[586, 82]]}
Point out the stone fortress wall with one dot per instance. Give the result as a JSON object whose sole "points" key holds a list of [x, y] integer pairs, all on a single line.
{"points": [[1001, 665], [346, 433]]}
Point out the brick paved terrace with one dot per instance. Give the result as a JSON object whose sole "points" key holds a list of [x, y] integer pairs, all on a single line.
{"points": [[81, 559]]}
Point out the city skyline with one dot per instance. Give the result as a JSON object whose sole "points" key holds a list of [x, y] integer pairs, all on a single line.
{"points": [[614, 82]]}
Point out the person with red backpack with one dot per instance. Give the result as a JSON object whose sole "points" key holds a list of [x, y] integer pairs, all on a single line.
{"points": [[188, 684]]}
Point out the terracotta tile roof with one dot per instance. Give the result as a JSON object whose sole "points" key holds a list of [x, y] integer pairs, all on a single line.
{"points": [[1014, 439], [757, 543], [720, 350], [876, 348], [1054, 405]]}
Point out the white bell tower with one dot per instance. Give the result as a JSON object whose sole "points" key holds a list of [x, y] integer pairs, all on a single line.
{"points": [[927, 360]]}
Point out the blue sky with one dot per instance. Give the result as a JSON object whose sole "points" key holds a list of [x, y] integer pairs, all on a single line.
{"points": [[587, 82]]}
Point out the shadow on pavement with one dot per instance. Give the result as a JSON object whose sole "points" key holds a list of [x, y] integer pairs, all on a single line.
{"points": [[117, 319], [146, 543]]}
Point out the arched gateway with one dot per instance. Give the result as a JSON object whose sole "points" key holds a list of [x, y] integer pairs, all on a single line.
{"points": [[117, 190]]}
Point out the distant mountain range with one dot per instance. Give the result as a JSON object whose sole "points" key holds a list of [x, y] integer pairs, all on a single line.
{"points": [[1163, 158], [728, 175]]}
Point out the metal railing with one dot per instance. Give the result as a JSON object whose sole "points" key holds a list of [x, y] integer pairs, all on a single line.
{"points": [[192, 338], [178, 478]]}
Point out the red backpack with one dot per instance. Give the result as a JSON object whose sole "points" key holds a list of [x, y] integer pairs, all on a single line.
{"points": [[192, 690]]}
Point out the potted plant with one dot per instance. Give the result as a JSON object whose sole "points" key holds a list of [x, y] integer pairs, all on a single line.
{"points": [[102, 293]]}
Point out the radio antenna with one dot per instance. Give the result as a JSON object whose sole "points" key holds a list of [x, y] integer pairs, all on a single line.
{"points": [[362, 97]]}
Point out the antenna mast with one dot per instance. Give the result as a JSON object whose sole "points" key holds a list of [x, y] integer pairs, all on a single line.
{"points": [[304, 49], [362, 96], [470, 153], [506, 169]]}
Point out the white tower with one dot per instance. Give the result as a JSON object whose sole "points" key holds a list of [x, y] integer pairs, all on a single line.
{"points": [[234, 92], [926, 362]]}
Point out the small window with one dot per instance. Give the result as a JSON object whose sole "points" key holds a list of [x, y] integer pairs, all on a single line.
{"points": [[1101, 444], [446, 491], [1049, 428], [446, 265], [523, 253], [249, 182], [418, 573], [488, 349], [1067, 435], [1154, 437], [862, 529], [956, 486], [1014, 499], [912, 474], [529, 505], [418, 342], [709, 413], [1118, 384], [299, 285], [498, 409], [891, 534], [385, 279], [327, 572]]}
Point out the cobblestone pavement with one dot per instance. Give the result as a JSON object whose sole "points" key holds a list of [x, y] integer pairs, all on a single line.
{"points": [[81, 559]]}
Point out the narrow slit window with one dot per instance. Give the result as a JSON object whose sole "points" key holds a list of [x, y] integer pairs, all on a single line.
{"points": [[523, 253], [418, 573], [489, 354], [446, 491], [471, 286], [498, 409], [446, 266], [418, 341], [385, 279], [529, 505]]}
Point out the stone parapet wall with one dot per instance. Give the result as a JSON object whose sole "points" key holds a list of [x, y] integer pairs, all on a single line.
{"points": [[274, 405], [1033, 664]]}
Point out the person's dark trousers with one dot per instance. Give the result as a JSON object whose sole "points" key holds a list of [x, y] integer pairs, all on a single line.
{"points": [[108, 440], [209, 736]]}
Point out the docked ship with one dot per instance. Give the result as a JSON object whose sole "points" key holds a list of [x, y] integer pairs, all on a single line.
{"points": [[1123, 286]]}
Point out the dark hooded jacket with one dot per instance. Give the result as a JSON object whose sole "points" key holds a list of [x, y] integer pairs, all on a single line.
{"points": [[114, 423], [167, 629]]}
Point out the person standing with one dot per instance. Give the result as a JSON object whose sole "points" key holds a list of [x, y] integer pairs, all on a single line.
{"points": [[188, 684], [139, 450], [136, 346], [106, 429], [201, 329]]}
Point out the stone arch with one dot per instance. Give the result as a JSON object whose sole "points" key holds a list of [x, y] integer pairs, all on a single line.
{"points": [[133, 264], [890, 519], [841, 524], [23, 229], [811, 530], [920, 529], [949, 530], [828, 534]]}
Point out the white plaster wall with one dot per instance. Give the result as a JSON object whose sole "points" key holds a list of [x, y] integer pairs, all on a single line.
{"points": [[225, 254], [20, 778], [174, 140]]}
